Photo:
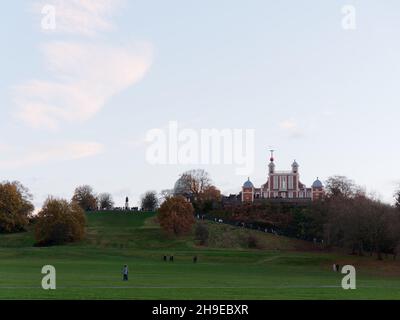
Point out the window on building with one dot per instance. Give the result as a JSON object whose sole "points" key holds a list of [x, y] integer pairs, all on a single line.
{"points": [[276, 183], [290, 183], [283, 183]]}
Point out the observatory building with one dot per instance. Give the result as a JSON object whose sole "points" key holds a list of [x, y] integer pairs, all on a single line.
{"points": [[282, 185]]}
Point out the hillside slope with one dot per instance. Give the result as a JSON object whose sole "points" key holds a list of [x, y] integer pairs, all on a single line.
{"points": [[92, 268], [141, 230]]}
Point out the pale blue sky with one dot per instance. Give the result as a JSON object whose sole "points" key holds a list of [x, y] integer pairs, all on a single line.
{"points": [[322, 95]]}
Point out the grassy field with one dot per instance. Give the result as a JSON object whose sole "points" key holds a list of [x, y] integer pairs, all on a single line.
{"points": [[282, 269]]}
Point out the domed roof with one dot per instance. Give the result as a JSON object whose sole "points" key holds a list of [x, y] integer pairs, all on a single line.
{"points": [[248, 184], [295, 164], [317, 184], [180, 187]]}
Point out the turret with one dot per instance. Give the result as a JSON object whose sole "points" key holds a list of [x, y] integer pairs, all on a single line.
{"points": [[248, 184], [295, 167], [271, 165], [317, 190], [248, 191], [317, 184]]}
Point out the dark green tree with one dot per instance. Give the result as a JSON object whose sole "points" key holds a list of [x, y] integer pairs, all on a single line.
{"points": [[149, 201]]}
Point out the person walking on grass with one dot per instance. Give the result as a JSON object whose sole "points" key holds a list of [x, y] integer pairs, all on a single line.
{"points": [[125, 272]]}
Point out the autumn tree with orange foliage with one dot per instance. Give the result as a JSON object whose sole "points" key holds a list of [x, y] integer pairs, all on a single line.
{"points": [[208, 198], [176, 216], [59, 222], [15, 207]]}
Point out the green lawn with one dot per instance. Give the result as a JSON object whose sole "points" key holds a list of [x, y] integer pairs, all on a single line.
{"points": [[92, 269]]}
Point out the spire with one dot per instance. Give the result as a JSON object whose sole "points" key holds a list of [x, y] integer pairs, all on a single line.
{"points": [[272, 155]]}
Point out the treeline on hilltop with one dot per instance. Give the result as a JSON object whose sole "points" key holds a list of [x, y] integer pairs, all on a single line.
{"points": [[346, 217], [59, 221]]}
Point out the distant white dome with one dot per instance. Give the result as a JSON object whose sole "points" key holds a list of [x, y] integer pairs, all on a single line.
{"points": [[180, 187]]}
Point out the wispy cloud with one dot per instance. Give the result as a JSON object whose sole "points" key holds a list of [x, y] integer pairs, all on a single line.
{"points": [[86, 76], [39, 155], [81, 76]]}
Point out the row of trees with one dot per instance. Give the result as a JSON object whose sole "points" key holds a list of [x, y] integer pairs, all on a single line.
{"points": [[61, 221], [195, 184], [346, 217], [58, 222], [88, 200], [350, 218]]}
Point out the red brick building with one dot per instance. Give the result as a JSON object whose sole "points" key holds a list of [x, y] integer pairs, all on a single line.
{"points": [[282, 185]]}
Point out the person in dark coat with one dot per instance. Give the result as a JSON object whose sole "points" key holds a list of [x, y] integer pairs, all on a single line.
{"points": [[125, 272]]}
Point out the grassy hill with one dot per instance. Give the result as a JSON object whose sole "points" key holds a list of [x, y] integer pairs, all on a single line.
{"points": [[227, 269]]}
